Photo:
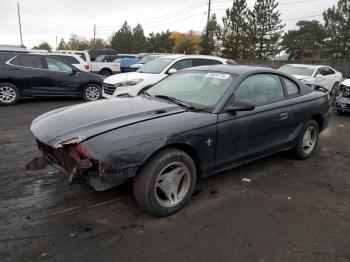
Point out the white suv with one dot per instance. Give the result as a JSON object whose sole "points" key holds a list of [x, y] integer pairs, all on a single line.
{"points": [[72, 59], [130, 84]]}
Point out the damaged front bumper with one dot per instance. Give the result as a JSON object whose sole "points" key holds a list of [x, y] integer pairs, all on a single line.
{"points": [[72, 160]]}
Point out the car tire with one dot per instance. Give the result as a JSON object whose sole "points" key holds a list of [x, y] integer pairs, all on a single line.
{"points": [[307, 140], [166, 182], [105, 72], [9, 94], [92, 92]]}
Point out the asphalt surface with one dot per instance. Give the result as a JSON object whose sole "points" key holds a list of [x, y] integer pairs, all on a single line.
{"points": [[290, 210]]}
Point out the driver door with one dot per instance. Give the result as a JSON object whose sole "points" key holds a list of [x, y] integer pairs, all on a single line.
{"points": [[247, 135], [63, 79]]}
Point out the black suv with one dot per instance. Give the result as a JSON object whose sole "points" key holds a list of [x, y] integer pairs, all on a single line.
{"points": [[33, 75]]}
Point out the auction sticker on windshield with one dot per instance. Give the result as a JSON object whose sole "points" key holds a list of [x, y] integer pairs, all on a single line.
{"points": [[218, 75]]}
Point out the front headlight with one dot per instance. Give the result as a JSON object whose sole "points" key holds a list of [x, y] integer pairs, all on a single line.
{"points": [[129, 82]]}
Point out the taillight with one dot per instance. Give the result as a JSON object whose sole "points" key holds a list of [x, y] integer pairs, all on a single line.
{"points": [[87, 66]]}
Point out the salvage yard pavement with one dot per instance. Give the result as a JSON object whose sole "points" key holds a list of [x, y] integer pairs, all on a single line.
{"points": [[274, 209]]}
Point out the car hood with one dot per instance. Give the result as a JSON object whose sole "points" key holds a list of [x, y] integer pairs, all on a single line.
{"points": [[80, 122], [346, 82], [132, 76]]}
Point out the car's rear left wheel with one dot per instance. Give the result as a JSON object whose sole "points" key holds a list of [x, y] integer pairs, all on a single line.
{"points": [[166, 182], [9, 94], [92, 92], [307, 141]]}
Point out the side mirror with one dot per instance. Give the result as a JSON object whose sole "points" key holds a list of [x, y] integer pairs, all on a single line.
{"points": [[241, 105], [75, 70], [319, 76], [172, 71]]}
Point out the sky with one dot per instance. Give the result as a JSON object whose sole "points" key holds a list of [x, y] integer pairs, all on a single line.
{"points": [[48, 19]]}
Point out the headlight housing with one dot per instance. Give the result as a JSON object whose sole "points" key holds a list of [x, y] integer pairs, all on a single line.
{"points": [[129, 82]]}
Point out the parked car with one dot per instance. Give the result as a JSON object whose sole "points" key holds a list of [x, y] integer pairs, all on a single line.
{"points": [[93, 54], [193, 124], [83, 55], [109, 68], [111, 58], [130, 84], [74, 60], [341, 99], [33, 75], [314, 75], [126, 63], [145, 60]]}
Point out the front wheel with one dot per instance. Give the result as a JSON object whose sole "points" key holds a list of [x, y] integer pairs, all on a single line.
{"points": [[307, 141], [92, 92], [166, 182]]}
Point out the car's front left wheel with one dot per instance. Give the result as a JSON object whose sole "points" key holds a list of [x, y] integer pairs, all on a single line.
{"points": [[92, 92], [166, 182]]}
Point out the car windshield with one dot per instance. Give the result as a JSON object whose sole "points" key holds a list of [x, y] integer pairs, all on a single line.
{"points": [[156, 66], [147, 59], [297, 70], [197, 88]]}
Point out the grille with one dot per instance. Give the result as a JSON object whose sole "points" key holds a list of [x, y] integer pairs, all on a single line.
{"points": [[108, 89]]}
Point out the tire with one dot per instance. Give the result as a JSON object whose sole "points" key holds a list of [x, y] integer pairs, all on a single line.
{"points": [[305, 146], [105, 72], [92, 92], [166, 182], [9, 94]]}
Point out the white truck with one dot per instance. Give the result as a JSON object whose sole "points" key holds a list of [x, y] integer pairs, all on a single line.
{"points": [[105, 68]]}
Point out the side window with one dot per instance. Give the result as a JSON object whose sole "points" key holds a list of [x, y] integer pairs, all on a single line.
{"points": [[182, 64], [82, 55], [68, 59], [292, 88], [328, 71], [15, 61], [260, 89], [30, 61], [57, 65], [201, 62]]}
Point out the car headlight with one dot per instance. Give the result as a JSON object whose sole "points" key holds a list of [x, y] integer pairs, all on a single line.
{"points": [[129, 82]]}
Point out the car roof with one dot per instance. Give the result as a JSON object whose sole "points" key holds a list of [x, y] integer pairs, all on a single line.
{"points": [[306, 65], [177, 56], [231, 69]]}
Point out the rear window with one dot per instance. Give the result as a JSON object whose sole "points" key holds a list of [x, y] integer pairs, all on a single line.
{"points": [[69, 59], [82, 55]]}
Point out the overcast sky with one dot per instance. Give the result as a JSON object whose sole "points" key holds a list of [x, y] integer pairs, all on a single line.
{"points": [[46, 19]]}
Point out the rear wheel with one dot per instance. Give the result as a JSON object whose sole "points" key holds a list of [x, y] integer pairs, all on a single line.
{"points": [[166, 182], [9, 94], [105, 72], [92, 92], [307, 141]]}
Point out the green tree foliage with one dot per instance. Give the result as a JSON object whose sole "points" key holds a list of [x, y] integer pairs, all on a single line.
{"points": [[160, 42], [43, 45], [305, 41], [122, 40], [78, 43], [186, 46], [97, 44], [209, 43], [62, 45], [139, 40], [234, 34], [337, 25], [266, 28]]}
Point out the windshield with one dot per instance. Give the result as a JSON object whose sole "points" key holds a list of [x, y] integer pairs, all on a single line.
{"points": [[297, 70], [147, 59], [156, 66], [196, 88]]}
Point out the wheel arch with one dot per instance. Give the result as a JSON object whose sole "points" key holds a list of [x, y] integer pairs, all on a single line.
{"points": [[319, 119], [14, 82], [105, 69]]}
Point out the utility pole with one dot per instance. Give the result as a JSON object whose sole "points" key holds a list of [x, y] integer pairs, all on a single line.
{"points": [[20, 26], [209, 4], [94, 35], [56, 42]]}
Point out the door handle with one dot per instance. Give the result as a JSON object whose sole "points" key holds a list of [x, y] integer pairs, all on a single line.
{"points": [[283, 115], [52, 73]]}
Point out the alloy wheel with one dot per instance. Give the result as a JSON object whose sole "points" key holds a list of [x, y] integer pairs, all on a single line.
{"points": [[92, 93], [7, 94], [172, 184], [309, 139]]}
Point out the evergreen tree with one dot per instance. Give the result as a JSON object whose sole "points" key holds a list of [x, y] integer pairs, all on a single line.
{"points": [[234, 31], [160, 42], [186, 46], [209, 43], [306, 41], [43, 45], [337, 25], [62, 45], [139, 39], [266, 28], [122, 40]]}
